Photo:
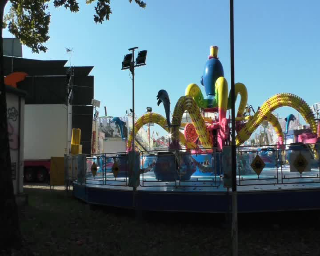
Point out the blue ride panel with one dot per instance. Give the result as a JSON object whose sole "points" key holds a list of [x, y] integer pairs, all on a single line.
{"points": [[269, 157], [168, 168], [208, 164], [148, 162], [122, 161]]}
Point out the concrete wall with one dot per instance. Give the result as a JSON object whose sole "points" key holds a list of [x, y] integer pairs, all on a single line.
{"points": [[15, 112]]}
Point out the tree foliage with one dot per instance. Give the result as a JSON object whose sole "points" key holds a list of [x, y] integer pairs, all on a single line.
{"points": [[29, 20]]}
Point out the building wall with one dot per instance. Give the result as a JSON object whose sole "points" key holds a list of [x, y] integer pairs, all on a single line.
{"points": [[15, 114], [46, 131]]}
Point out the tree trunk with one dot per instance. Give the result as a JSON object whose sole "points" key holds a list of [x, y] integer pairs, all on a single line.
{"points": [[10, 236]]}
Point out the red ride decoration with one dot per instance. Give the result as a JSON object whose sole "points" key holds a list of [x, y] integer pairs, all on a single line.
{"points": [[190, 133]]}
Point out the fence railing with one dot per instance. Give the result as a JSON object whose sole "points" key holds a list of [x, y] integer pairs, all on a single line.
{"points": [[294, 164]]}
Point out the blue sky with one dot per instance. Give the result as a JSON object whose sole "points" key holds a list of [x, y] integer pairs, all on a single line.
{"points": [[276, 48]]}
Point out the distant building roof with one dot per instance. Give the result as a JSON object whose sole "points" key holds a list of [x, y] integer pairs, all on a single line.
{"points": [[42, 67]]}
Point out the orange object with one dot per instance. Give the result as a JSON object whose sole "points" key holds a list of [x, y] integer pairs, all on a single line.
{"points": [[190, 133], [15, 78]]}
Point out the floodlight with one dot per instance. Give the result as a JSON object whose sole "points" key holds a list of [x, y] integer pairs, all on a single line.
{"points": [[141, 59], [127, 61]]}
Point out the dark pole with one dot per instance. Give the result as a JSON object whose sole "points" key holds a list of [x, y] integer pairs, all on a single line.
{"points": [[149, 135], [234, 228], [132, 64], [133, 112], [132, 71]]}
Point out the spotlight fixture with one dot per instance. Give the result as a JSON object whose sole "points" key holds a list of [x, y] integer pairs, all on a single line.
{"points": [[141, 59], [127, 61]]}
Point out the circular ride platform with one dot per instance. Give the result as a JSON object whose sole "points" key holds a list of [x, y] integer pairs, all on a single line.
{"points": [[274, 190]]}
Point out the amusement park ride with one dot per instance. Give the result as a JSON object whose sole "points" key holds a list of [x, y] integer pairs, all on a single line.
{"points": [[205, 134], [197, 149]]}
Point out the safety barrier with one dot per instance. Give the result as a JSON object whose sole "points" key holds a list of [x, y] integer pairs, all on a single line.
{"points": [[267, 165]]}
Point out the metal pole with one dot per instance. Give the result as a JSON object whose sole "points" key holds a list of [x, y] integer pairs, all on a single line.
{"points": [[132, 71], [67, 103], [133, 135], [149, 135], [234, 228], [95, 129], [132, 64]]}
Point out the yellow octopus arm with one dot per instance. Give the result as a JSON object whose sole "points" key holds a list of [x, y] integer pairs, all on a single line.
{"points": [[194, 91], [279, 100], [271, 119], [240, 89], [160, 120], [221, 88], [187, 103]]}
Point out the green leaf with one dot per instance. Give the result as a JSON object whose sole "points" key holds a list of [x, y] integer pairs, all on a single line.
{"points": [[29, 20]]}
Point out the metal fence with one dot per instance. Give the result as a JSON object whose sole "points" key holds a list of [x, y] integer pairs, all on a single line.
{"points": [[268, 165], [293, 164]]}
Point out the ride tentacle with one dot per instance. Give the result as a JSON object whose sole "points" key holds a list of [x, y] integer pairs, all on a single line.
{"points": [[279, 100], [240, 89], [194, 91], [161, 121], [183, 104]]}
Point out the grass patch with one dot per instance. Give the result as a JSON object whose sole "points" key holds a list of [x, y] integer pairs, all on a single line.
{"points": [[55, 223]]}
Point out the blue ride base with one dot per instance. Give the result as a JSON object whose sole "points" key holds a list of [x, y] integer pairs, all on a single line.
{"points": [[196, 184], [202, 196]]}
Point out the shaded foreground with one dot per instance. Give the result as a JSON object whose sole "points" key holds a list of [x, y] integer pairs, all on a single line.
{"points": [[55, 223]]}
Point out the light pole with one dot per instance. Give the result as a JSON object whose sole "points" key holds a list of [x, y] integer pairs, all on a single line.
{"points": [[129, 63], [149, 110]]}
